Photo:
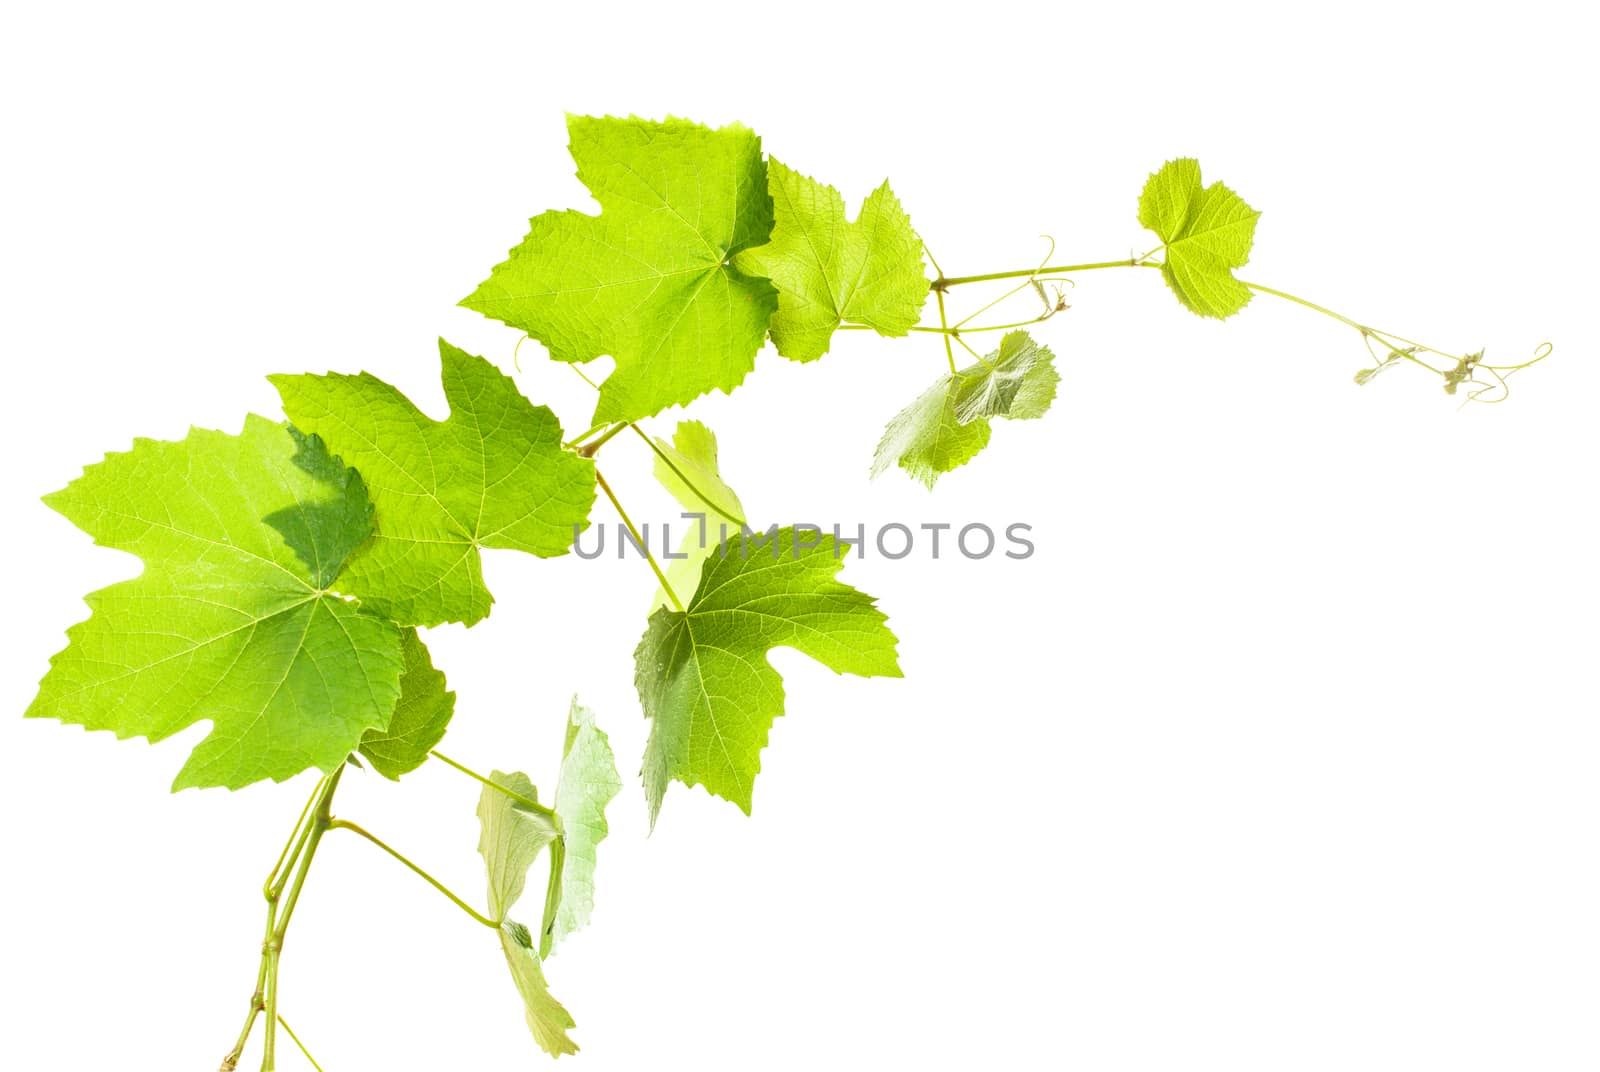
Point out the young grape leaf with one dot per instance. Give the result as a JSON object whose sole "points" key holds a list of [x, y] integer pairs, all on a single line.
{"points": [[419, 719], [948, 424], [830, 271], [547, 1019], [650, 280], [703, 676], [231, 620], [1207, 232], [687, 467], [587, 784], [512, 835], [492, 475]]}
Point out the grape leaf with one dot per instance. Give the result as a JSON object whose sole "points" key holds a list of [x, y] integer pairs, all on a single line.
{"points": [[587, 784], [650, 280], [948, 424], [511, 838], [547, 1018], [230, 621], [687, 467], [830, 271], [419, 719], [492, 475], [1206, 232], [702, 674]]}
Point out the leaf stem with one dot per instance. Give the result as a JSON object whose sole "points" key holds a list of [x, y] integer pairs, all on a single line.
{"points": [[578, 439], [354, 828], [639, 541], [298, 1044], [588, 450], [552, 895], [531, 805], [944, 326], [668, 462]]}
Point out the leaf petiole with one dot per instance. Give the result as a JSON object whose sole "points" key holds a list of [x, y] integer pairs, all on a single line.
{"points": [[532, 805], [345, 824], [298, 1044], [638, 540]]}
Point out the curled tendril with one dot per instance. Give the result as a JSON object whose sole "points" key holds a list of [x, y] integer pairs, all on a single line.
{"points": [[1464, 373], [1501, 374]]}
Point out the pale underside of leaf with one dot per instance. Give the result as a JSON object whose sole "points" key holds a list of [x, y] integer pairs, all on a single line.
{"points": [[511, 838], [548, 1020], [948, 424], [587, 784]]}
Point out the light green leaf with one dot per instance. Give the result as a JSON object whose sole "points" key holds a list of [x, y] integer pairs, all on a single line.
{"points": [[492, 475], [1207, 232], [419, 718], [228, 622], [687, 467], [650, 280], [948, 424], [703, 675], [830, 271], [512, 835], [547, 1019], [588, 783]]}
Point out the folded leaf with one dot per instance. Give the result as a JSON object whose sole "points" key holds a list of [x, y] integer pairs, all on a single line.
{"points": [[420, 718], [512, 835], [493, 474]]}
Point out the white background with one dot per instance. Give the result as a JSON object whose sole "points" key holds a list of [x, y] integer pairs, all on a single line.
{"points": [[1279, 754]]}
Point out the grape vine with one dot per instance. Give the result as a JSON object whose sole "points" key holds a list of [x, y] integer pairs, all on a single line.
{"points": [[289, 568]]}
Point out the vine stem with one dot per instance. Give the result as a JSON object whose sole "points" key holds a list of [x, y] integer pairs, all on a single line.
{"points": [[354, 828], [272, 890], [944, 282], [638, 541], [589, 450], [1396, 343], [282, 893], [944, 328], [320, 818]]}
